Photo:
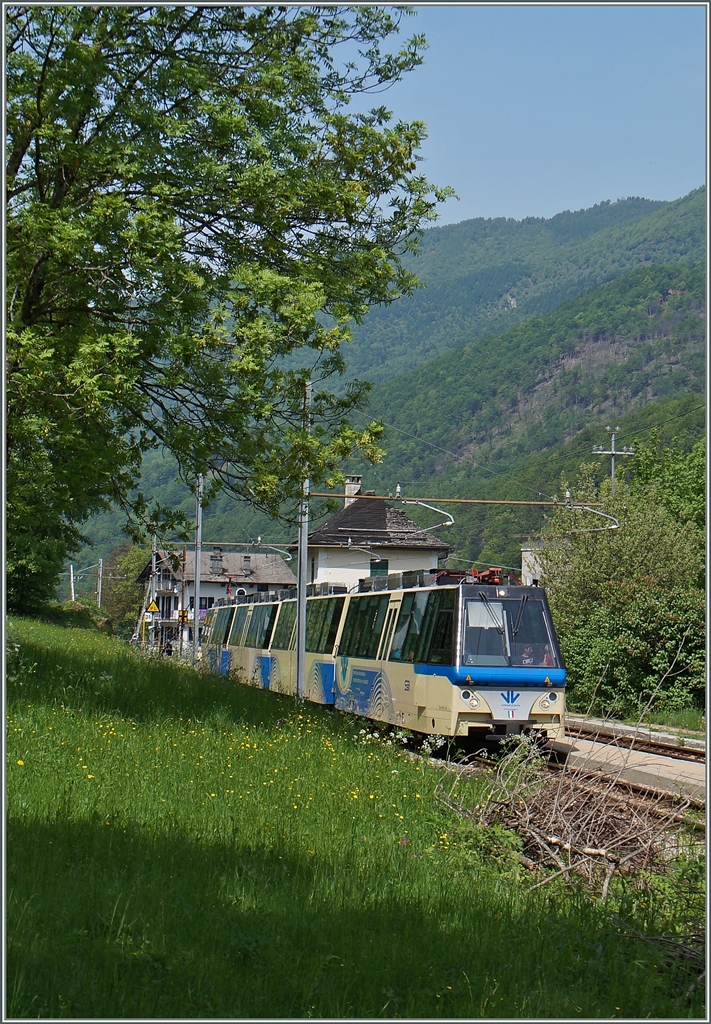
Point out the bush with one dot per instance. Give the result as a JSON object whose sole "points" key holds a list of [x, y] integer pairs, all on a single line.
{"points": [[628, 602]]}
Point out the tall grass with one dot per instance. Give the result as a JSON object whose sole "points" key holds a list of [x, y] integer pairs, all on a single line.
{"points": [[182, 846]]}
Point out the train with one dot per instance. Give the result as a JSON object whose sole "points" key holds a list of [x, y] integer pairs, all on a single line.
{"points": [[465, 656]]}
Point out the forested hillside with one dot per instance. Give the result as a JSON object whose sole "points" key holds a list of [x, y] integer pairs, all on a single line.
{"points": [[503, 415], [607, 353], [481, 277]]}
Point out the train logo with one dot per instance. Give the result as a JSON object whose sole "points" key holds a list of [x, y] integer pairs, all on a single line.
{"points": [[510, 698]]}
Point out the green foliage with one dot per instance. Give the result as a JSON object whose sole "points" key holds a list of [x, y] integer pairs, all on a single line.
{"points": [[121, 595], [628, 603], [609, 351], [500, 418], [673, 903], [179, 847], [482, 277], [679, 477], [73, 615], [189, 202]]}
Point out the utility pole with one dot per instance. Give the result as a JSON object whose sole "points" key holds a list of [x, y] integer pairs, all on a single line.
{"points": [[613, 452], [198, 559], [302, 567], [98, 583], [182, 615], [71, 582], [154, 553]]}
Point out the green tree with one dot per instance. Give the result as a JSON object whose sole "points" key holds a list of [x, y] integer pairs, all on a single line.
{"points": [[679, 477], [121, 595], [628, 601], [190, 201]]}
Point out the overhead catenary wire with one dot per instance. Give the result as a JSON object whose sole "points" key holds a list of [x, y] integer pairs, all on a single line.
{"points": [[563, 456], [441, 501]]}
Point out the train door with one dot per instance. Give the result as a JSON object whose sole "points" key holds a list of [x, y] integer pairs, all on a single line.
{"points": [[283, 650], [323, 620], [234, 641], [359, 683], [391, 683]]}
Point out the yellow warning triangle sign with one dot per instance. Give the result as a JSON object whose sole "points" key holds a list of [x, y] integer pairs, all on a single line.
{"points": [[152, 607]]}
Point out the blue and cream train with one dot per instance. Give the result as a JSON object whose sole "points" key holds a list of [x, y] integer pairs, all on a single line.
{"points": [[456, 657]]}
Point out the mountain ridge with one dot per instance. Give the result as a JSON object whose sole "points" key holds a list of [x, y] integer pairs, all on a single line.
{"points": [[491, 416], [481, 276]]}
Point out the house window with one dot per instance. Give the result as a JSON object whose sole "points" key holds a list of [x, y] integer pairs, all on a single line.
{"points": [[379, 568]]}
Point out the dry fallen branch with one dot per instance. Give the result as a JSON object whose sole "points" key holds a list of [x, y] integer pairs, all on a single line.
{"points": [[571, 820]]}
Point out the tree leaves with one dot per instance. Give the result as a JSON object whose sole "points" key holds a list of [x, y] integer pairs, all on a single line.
{"points": [[628, 603], [189, 203]]}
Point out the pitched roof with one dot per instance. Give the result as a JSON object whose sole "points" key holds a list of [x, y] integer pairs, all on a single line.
{"points": [[236, 567], [374, 523]]}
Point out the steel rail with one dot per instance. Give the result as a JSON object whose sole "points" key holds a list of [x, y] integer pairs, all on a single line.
{"points": [[643, 746]]}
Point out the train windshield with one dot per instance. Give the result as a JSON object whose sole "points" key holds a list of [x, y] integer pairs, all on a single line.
{"points": [[507, 632]]}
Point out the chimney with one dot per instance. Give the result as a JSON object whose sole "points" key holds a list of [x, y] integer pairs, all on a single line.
{"points": [[352, 487], [216, 566], [246, 564]]}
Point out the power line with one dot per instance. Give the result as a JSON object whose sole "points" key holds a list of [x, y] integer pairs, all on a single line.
{"points": [[441, 501], [563, 456], [446, 451]]}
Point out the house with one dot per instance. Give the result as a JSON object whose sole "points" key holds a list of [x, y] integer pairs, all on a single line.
{"points": [[368, 537], [530, 567], [222, 575]]}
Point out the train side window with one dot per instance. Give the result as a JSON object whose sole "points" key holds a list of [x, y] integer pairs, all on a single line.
{"points": [[376, 622], [224, 637], [436, 644], [409, 624], [220, 627], [322, 621], [207, 628], [388, 630], [259, 628], [269, 625], [352, 626], [330, 635], [285, 626], [238, 625], [364, 626]]}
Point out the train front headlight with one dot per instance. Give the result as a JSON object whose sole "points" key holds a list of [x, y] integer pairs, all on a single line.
{"points": [[470, 698]]}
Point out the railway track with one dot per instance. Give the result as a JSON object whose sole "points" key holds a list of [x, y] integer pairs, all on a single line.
{"points": [[640, 744], [588, 777], [630, 739]]}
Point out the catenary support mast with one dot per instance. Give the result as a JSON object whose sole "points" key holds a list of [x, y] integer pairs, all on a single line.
{"points": [[198, 560], [302, 568]]}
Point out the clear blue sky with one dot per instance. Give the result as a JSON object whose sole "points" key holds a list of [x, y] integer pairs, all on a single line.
{"points": [[536, 109]]}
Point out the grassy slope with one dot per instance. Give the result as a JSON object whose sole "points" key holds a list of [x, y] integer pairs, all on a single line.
{"points": [[180, 846]]}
